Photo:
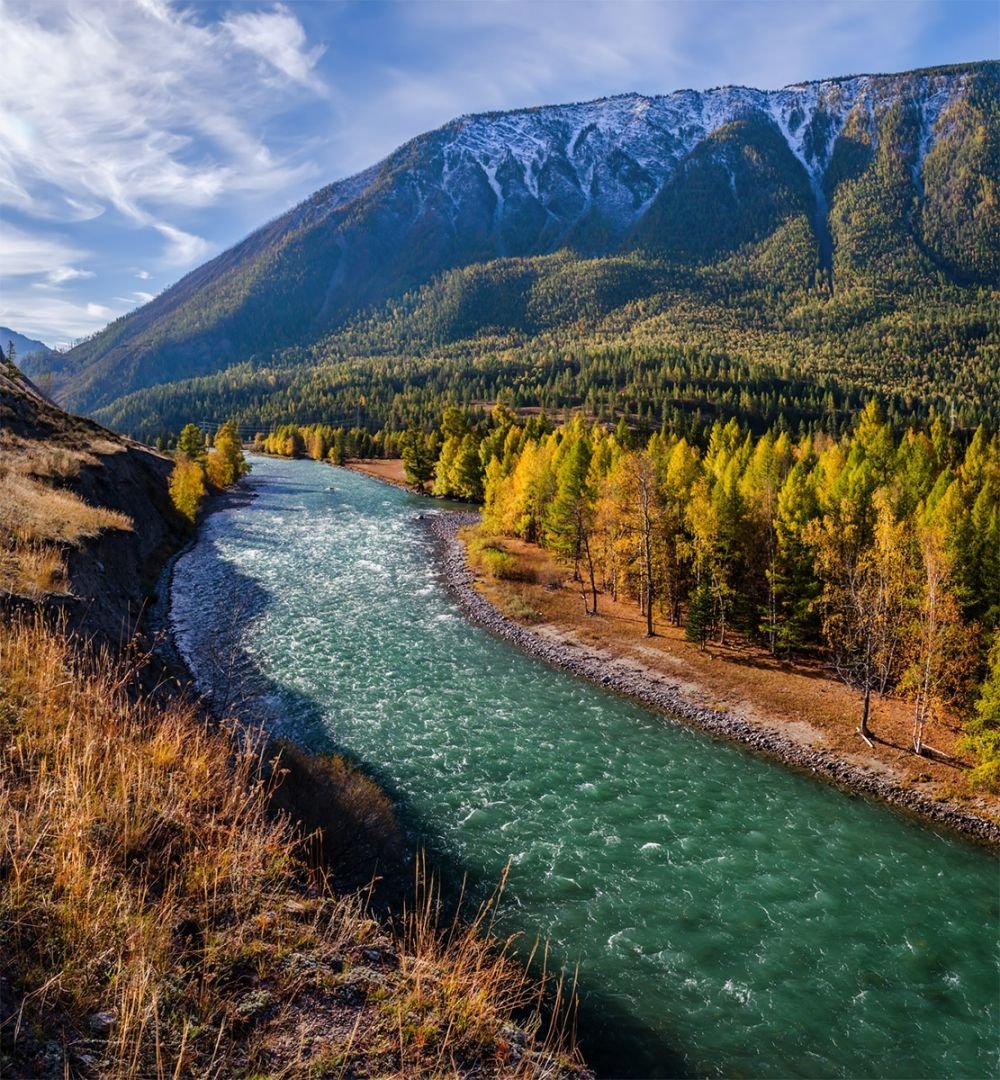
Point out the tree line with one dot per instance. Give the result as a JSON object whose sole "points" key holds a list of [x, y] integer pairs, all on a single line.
{"points": [[878, 549]]}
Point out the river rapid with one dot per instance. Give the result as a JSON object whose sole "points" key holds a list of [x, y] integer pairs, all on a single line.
{"points": [[729, 917]]}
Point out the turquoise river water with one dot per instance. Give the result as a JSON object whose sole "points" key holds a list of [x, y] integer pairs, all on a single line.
{"points": [[729, 917]]}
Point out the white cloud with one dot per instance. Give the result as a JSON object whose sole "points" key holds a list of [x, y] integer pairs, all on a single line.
{"points": [[475, 57], [35, 314], [144, 107], [183, 248], [142, 275], [138, 297], [62, 274], [278, 38], [25, 254]]}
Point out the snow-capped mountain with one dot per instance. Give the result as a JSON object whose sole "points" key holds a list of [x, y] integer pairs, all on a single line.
{"points": [[529, 177], [688, 177]]}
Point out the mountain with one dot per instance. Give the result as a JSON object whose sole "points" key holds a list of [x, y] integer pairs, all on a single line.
{"points": [[872, 186], [23, 346]]}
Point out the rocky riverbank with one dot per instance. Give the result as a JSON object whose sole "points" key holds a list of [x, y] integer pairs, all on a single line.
{"points": [[656, 691]]}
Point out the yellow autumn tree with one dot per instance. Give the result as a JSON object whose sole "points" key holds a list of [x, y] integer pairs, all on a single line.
{"points": [[187, 486], [226, 463]]}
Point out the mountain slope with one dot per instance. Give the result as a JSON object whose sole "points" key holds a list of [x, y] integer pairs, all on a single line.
{"points": [[86, 520], [23, 346], [888, 178]]}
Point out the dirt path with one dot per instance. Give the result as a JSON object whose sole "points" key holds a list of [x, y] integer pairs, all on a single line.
{"points": [[388, 470]]}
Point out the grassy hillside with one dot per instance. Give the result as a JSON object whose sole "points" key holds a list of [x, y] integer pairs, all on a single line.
{"points": [[159, 918], [85, 517]]}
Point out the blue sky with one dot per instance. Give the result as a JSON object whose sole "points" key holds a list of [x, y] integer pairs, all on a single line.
{"points": [[140, 137]]}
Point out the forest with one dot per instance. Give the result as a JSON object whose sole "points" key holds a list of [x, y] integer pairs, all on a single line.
{"points": [[688, 353]]}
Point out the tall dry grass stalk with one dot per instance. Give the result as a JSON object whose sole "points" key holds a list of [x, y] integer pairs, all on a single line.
{"points": [[33, 512], [465, 989], [157, 919]]}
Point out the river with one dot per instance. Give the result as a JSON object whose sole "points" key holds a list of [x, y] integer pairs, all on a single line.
{"points": [[729, 917]]}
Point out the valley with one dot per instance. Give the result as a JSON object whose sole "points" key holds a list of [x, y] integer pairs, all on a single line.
{"points": [[665, 740], [682, 874]]}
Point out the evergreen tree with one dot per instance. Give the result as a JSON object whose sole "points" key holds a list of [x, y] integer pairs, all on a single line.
{"points": [[982, 732], [191, 441]]}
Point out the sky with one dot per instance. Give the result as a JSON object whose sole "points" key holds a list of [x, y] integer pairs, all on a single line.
{"points": [[139, 138]]}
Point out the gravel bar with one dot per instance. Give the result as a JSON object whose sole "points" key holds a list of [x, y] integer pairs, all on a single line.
{"points": [[658, 693]]}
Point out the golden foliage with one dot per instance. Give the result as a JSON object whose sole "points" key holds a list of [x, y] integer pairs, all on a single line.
{"points": [[33, 513], [187, 487]]}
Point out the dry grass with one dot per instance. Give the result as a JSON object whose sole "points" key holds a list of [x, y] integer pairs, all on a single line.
{"points": [[157, 918], [38, 522], [33, 570], [34, 513], [462, 988]]}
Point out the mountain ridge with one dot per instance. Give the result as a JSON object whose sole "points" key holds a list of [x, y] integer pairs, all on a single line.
{"points": [[630, 173], [23, 345]]}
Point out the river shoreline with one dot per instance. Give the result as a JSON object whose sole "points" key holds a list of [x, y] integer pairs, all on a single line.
{"points": [[651, 689], [158, 624]]}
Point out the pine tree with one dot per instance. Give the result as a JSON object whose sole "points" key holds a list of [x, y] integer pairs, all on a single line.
{"points": [[982, 731], [700, 615], [418, 458], [570, 518], [191, 441]]}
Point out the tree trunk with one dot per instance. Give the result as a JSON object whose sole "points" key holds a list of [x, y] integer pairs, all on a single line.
{"points": [[864, 731], [648, 570], [590, 570], [919, 719], [722, 617]]}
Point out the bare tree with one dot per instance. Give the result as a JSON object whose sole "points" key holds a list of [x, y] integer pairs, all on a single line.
{"points": [[867, 592], [941, 646]]}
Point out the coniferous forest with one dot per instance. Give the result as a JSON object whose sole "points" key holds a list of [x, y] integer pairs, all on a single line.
{"points": [[653, 749]]}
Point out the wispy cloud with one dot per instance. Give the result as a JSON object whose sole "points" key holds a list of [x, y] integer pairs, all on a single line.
{"points": [[26, 254], [38, 312], [140, 106], [62, 274], [183, 248], [441, 59], [278, 39], [137, 137]]}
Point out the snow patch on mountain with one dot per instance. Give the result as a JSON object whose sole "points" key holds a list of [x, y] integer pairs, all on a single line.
{"points": [[613, 156]]}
